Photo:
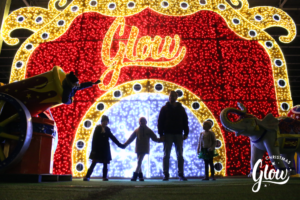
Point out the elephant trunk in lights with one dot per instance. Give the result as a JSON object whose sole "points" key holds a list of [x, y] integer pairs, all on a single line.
{"points": [[266, 135], [233, 126]]}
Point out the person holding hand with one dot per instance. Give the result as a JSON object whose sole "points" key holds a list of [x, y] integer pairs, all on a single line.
{"points": [[142, 134], [101, 149]]}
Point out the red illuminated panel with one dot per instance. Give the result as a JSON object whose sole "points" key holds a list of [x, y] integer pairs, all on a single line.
{"points": [[219, 67]]}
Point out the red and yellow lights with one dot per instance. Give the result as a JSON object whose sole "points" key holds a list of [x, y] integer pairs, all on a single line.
{"points": [[216, 53]]}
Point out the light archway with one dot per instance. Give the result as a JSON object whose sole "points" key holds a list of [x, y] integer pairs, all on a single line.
{"points": [[189, 100]]}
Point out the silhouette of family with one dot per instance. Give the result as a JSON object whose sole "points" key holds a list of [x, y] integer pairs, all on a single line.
{"points": [[172, 122]]}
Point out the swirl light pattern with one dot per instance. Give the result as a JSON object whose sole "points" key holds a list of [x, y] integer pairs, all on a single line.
{"points": [[251, 26]]}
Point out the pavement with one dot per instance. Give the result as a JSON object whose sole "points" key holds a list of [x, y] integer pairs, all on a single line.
{"points": [[155, 189]]}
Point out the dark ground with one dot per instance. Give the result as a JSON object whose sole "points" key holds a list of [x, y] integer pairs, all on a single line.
{"points": [[154, 189]]}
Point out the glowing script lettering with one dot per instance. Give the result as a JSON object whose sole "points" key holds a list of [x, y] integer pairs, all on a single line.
{"points": [[146, 48], [281, 177]]}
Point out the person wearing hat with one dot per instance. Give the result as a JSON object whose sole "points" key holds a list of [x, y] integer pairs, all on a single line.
{"points": [[71, 86], [101, 149]]}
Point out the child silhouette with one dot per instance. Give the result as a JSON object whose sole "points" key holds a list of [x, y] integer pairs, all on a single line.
{"points": [[143, 134]]}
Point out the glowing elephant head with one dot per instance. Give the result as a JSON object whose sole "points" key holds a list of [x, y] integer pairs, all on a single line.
{"points": [[247, 124]]}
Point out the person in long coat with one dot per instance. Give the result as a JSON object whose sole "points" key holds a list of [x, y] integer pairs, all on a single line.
{"points": [[143, 134], [101, 149]]}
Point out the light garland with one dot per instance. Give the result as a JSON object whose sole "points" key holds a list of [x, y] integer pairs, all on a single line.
{"points": [[246, 16], [170, 51]]}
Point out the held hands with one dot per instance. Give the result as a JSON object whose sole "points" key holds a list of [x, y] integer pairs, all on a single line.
{"points": [[97, 82], [185, 137], [161, 139], [122, 146]]}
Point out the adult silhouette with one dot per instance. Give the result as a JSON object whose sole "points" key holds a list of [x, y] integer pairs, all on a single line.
{"points": [[172, 121]]}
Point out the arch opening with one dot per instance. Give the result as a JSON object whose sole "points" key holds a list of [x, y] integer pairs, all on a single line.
{"points": [[124, 113]]}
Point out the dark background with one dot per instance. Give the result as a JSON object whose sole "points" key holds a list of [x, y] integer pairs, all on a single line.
{"points": [[291, 51]]}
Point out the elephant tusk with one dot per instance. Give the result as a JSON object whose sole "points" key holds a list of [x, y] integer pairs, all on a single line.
{"points": [[242, 107]]}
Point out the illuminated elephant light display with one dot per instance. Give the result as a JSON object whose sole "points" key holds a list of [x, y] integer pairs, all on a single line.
{"points": [[278, 136]]}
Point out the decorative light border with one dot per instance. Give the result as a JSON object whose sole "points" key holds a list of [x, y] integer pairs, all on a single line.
{"points": [[79, 164], [137, 91], [93, 114], [216, 171], [100, 104], [246, 15], [80, 148], [221, 144], [180, 97]]}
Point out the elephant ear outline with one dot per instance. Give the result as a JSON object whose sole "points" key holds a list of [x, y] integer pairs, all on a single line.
{"points": [[270, 123]]}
